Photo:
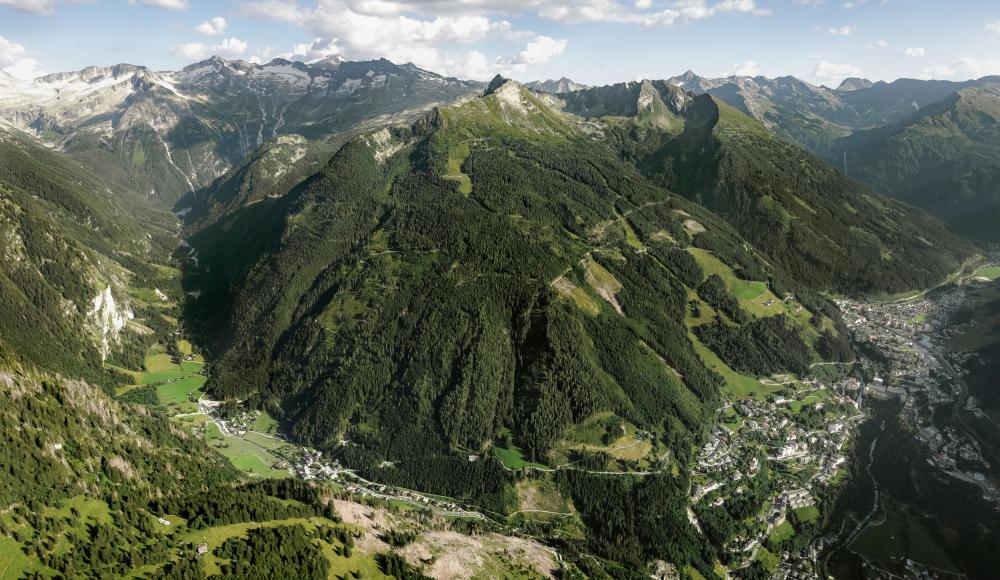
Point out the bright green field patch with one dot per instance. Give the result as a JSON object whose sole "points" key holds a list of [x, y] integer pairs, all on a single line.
{"points": [[578, 295], [782, 532], [163, 376], [513, 457], [214, 537], [755, 297], [90, 509], [13, 562], [740, 386], [159, 362], [135, 375], [807, 514], [138, 156], [456, 157], [360, 563], [180, 391], [590, 436], [342, 311], [244, 454], [267, 442], [630, 236], [593, 428], [767, 559], [749, 290], [147, 296], [192, 366], [265, 423], [989, 272]]}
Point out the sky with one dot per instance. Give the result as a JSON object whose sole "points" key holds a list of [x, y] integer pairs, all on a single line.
{"points": [[589, 41]]}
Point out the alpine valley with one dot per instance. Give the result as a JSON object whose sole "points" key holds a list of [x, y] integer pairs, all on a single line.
{"points": [[359, 319]]}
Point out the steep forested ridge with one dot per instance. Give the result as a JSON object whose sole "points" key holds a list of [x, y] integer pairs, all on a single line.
{"points": [[942, 158], [826, 230], [72, 249], [487, 270]]}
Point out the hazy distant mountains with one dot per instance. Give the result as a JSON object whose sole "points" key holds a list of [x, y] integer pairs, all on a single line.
{"points": [[944, 157], [167, 133], [932, 143], [815, 116], [563, 85], [174, 132]]}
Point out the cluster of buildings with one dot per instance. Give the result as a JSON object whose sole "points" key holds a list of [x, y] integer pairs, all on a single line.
{"points": [[311, 466], [801, 432], [925, 378]]}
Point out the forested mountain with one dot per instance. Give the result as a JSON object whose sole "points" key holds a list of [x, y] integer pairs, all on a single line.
{"points": [[418, 278], [942, 158], [169, 133], [815, 117], [826, 230], [354, 308], [73, 251]]}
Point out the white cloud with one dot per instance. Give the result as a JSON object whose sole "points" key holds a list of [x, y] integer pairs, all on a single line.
{"points": [[828, 72], [230, 47], [538, 50], [319, 48], [14, 60], [541, 49], [747, 68], [668, 14], [32, 6], [993, 26], [963, 68], [167, 4], [914, 52], [450, 36], [938, 71], [841, 30], [878, 44], [212, 27], [10, 52]]}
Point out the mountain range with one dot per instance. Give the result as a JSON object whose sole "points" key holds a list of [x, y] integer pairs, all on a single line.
{"points": [[169, 133], [465, 289]]}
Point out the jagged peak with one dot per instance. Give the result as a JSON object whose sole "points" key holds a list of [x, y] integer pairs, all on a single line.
{"points": [[217, 62], [91, 73], [495, 84], [853, 84]]}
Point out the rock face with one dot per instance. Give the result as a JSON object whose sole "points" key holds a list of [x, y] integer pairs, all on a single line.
{"points": [[108, 318]]}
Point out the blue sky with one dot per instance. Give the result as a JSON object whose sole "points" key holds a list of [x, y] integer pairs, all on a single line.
{"points": [[591, 41]]}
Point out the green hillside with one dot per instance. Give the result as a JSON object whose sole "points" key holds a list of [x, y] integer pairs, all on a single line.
{"points": [[492, 276], [827, 231], [942, 158], [75, 253]]}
